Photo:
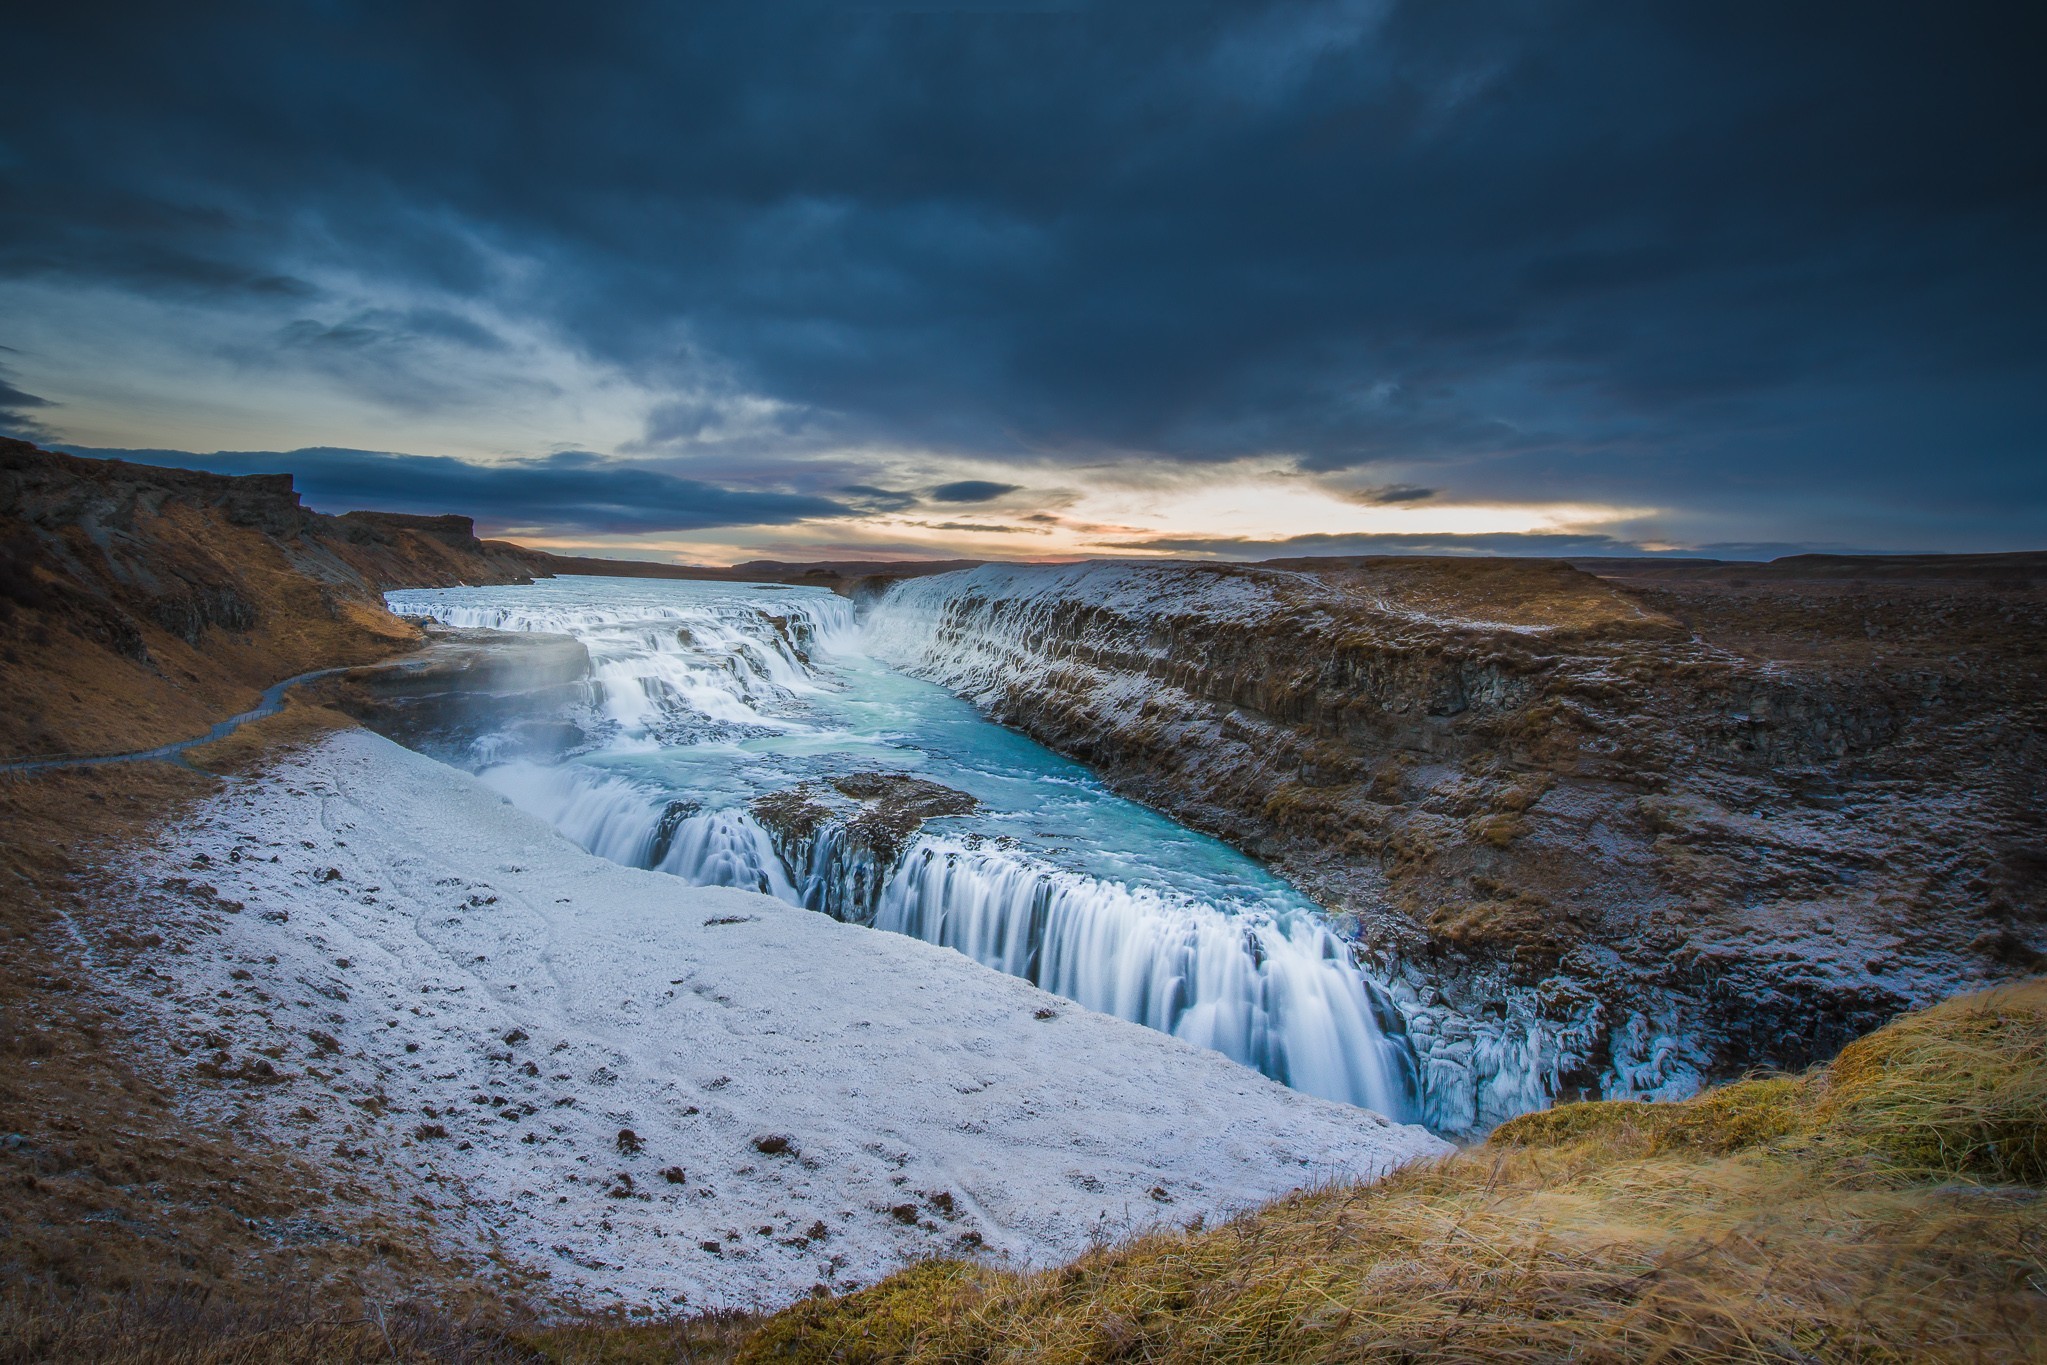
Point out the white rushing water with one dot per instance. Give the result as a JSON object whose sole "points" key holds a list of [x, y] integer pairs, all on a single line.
{"points": [[705, 698]]}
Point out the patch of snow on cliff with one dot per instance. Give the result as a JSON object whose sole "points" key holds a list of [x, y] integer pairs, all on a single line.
{"points": [[981, 631], [1130, 587]]}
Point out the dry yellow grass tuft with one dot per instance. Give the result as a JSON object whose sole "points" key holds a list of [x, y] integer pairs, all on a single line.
{"points": [[1958, 1089], [1884, 1208]]}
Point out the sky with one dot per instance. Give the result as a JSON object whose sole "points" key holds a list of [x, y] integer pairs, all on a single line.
{"points": [[825, 279]]}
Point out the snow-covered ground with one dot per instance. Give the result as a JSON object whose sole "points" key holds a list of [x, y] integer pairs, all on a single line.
{"points": [[658, 1093]]}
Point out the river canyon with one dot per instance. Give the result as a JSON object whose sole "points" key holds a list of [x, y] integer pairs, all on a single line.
{"points": [[1463, 904]]}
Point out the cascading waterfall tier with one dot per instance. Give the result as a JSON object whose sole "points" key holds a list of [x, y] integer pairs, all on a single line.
{"points": [[754, 745], [663, 668], [1281, 996]]}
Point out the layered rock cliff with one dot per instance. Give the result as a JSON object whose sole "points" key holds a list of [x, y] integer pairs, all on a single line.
{"points": [[1602, 835], [138, 604]]}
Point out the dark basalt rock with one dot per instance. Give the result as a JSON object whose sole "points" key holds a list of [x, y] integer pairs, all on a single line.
{"points": [[793, 814], [895, 805]]}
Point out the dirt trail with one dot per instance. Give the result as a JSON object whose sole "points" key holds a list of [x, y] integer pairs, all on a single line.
{"points": [[270, 703]]}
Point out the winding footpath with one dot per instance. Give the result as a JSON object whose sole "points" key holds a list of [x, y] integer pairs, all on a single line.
{"points": [[269, 704]]}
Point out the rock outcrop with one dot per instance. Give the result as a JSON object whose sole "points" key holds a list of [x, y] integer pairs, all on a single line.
{"points": [[841, 839], [1603, 835]]}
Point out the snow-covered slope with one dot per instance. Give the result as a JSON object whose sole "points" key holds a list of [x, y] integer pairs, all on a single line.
{"points": [[478, 1015]]}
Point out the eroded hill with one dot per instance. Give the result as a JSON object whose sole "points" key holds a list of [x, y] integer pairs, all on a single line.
{"points": [[140, 604]]}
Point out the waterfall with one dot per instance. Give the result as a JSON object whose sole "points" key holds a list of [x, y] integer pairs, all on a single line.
{"points": [[657, 665], [625, 823], [720, 698], [1283, 997]]}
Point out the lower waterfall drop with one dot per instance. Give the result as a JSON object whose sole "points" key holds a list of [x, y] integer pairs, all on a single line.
{"points": [[1281, 997]]}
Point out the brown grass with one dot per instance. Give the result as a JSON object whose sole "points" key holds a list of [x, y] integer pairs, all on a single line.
{"points": [[708, 1339], [1959, 1089], [1886, 1208], [1519, 592], [197, 1330]]}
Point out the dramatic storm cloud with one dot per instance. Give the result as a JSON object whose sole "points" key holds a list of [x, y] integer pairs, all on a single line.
{"points": [[1192, 277]]}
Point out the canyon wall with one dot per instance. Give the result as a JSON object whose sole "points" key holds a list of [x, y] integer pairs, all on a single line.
{"points": [[1602, 835]]}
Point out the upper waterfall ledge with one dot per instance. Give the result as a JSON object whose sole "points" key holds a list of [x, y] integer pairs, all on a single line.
{"points": [[479, 1015]]}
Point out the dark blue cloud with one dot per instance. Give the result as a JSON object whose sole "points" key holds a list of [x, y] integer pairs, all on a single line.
{"points": [[20, 411], [971, 490], [983, 527], [572, 490], [1392, 495], [1731, 256], [868, 498]]}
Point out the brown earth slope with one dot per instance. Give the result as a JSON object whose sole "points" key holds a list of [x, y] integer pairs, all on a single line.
{"points": [[1604, 834], [138, 604]]}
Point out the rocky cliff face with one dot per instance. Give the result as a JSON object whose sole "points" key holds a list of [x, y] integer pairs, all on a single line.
{"points": [[138, 604], [1602, 835]]}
